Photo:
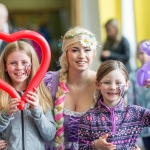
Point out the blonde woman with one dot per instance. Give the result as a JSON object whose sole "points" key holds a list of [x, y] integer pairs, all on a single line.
{"points": [[29, 128], [73, 85], [116, 46]]}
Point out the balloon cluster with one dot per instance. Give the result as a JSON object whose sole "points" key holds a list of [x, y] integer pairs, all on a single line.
{"points": [[144, 72]]}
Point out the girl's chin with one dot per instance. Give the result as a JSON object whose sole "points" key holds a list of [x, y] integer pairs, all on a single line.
{"points": [[113, 99]]}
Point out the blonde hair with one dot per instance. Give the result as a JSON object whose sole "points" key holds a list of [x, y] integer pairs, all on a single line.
{"points": [[115, 24], [71, 37], [110, 65], [44, 96]]}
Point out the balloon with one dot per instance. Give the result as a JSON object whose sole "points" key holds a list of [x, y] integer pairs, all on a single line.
{"points": [[145, 46], [143, 74], [9, 89], [45, 62]]}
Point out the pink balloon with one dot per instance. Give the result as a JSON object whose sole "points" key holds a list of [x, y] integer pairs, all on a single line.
{"points": [[46, 57]]}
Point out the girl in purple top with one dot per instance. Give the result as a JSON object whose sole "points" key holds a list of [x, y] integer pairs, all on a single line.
{"points": [[73, 86], [112, 125]]}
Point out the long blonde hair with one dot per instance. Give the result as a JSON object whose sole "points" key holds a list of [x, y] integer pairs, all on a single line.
{"points": [[44, 96], [71, 37], [115, 24]]}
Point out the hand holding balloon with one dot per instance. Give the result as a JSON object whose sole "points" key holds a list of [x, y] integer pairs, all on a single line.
{"points": [[3, 144], [11, 107], [143, 74], [33, 99]]}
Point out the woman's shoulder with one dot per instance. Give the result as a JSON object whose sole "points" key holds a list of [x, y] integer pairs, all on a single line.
{"points": [[51, 75], [124, 40], [93, 74], [51, 78], [92, 77]]}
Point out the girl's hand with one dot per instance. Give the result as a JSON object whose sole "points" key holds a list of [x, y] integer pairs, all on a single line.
{"points": [[33, 99], [147, 83], [11, 107], [136, 148], [101, 143], [3, 144]]}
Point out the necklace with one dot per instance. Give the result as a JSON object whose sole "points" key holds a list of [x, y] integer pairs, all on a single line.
{"points": [[76, 88]]}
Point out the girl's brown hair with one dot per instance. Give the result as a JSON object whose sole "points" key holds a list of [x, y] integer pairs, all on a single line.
{"points": [[110, 65]]}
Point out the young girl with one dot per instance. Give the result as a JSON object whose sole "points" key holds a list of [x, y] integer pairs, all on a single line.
{"points": [[111, 125], [140, 95], [29, 128]]}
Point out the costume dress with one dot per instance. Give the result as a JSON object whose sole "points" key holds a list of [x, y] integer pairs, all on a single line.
{"points": [[71, 118]]}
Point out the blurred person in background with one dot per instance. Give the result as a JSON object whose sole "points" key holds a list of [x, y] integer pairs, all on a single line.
{"points": [[140, 95], [42, 29], [5, 25], [116, 46]]}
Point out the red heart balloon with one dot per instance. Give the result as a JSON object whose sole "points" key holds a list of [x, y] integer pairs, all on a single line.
{"points": [[45, 62]]}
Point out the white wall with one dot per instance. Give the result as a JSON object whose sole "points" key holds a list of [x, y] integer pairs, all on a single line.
{"points": [[128, 28], [90, 20]]}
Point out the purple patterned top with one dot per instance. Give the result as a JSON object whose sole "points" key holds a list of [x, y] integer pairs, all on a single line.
{"points": [[71, 118], [122, 123]]}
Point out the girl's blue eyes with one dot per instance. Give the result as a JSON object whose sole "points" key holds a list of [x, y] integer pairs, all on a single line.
{"points": [[15, 63], [88, 50], [108, 83], [25, 62]]}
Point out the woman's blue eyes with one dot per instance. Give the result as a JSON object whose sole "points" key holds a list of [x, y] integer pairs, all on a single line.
{"points": [[86, 50], [74, 50]]}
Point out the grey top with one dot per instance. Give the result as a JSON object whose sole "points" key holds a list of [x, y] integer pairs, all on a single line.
{"points": [[38, 128]]}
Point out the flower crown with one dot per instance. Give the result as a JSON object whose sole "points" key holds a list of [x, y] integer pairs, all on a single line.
{"points": [[87, 40]]}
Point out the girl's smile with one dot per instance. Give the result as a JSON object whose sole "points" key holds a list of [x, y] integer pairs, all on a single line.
{"points": [[16, 67], [111, 87]]}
